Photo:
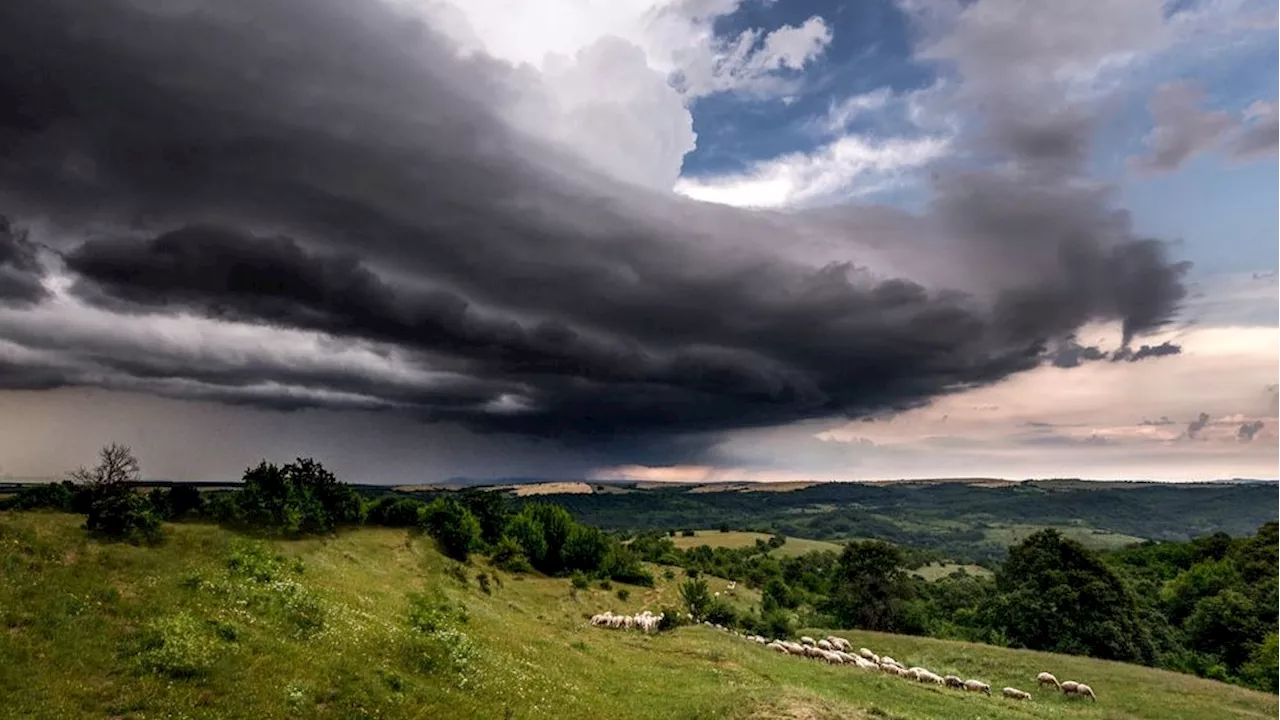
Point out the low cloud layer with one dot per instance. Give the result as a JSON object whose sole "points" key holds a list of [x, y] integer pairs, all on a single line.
{"points": [[1183, 129], [334, 172]]}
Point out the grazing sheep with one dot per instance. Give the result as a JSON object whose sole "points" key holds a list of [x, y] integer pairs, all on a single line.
{"points": [[892, 669], [912, 673], [869, 655], [1045, 678], [929, 677], [1015, 694], [1075, 689], [886, 659], [806, 640], [777, 647], [953, 681], [977, 686], [826, 645], [864, 664]]}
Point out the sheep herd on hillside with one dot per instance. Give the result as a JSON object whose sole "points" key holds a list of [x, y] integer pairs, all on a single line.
{"points": [[839, 651]]}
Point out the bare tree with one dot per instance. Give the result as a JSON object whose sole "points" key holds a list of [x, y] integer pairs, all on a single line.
{"points": [[117, 467]]}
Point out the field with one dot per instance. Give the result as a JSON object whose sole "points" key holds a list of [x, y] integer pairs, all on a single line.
{"points": [[1089, 537], [734, 539], [75, 614], [937, 571]]}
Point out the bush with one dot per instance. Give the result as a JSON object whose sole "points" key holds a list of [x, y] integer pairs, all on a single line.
{"points": [[121, 514], [435, 642], [180, 646], [297, 498], [720, 612], [606, 585], [696, 597], [688, 533], [453, 526], [671, 618], [669, 574], [508, 555], [624, 594], [392, 511], [483, 579], [45, 496], [580, 581]]}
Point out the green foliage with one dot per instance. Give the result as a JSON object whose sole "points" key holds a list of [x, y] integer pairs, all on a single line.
{"points": [[482, 578], [391, 511], [301, 497], [45, 496], [509, 555], [580, 581], [490, 510], [453, 526], [696, 597], [869, 586], [1053, 594], [436, 642], [122, 514], [1263, 669], [180, 646], [672, 618], [624, 594]]}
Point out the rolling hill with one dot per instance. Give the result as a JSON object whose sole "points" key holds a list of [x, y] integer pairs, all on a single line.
{"points": [[214, 625]]}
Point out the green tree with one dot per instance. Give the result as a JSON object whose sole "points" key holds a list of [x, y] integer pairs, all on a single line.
{"points": [[1054, 594], [453, 526], [528, 533], [869, 586], [491, 510], [299, 497], [1225, 625], [696, 597], [1263, 669]]}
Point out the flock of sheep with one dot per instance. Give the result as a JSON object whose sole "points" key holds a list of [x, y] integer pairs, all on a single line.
{"points": [[838, 651], [644, 621]]}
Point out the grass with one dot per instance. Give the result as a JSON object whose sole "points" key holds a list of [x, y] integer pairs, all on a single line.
{"points": [[90, 630], [937, 571], [736, 539], [1097, 539]]}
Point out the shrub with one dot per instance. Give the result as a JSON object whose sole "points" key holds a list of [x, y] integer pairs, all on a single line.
{"points": [[580, 581], [121, 514], [297, 498], [483, 579], [508, 555], [671, 618], [624, 594], [179, 646], [696, 597], [435, 642], [453, 526], [395, 512], [669, 574], [688, 533], [720, 612], [45, 496], [606, 585]]}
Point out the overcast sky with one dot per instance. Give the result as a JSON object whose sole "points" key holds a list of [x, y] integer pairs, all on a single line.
{"points": [[687, 240]]}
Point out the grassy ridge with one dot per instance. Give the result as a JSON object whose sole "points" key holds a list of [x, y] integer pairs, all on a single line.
{"points": [[75, 613], [737, 539]]}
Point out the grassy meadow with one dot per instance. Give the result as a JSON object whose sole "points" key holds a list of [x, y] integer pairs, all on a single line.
{"points": [[736, 539], [215, 625]]}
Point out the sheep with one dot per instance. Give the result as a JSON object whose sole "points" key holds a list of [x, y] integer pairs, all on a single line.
{"points": [[1015, 694], [831, 657], [892, 669], [869, 655], [1045, 678], [1071, 688], [864, 663], [886, 659], [826, 645], [977, 686], [806, 640], [777, 647], [953, 682], [929, 677]]}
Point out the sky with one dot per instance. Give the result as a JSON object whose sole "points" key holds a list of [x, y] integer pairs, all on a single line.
{"points": [[696, 240]]}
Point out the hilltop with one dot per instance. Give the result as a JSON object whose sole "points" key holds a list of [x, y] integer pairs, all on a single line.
{"points": [[327, 633]]}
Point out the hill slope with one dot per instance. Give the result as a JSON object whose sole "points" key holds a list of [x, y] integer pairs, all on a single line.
{"points": [[325, 634]]}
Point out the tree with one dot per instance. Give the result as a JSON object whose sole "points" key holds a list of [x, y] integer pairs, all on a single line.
{"points": [[114, 511], [1054, 594], [1225, 625], [869, 585], [300, 497], [491, 510], [696, 597], [453, 526]]}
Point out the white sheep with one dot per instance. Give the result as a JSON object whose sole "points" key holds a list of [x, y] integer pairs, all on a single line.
{"points": [[977, 686], [826, 645], [1015, 694], [1045, 678], [864, 663], [869, 655], [1074, 689], [891, 661], [892, 669], [806, 640], [930, 677], [777, 647], [953, 681]]}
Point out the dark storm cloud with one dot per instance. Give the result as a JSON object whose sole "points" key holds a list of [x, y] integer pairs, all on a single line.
{"points": [[332, 167], [1164, 349], [1195, 426], [1247, 430], [1158, 423], [1069, 353], [20, 270]]}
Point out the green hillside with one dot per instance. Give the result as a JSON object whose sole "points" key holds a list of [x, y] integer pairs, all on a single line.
{"points": [[208, 625], [738, 539]]}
